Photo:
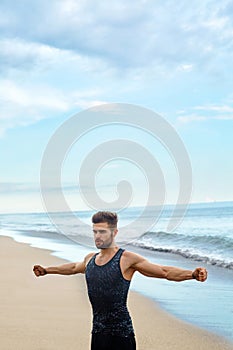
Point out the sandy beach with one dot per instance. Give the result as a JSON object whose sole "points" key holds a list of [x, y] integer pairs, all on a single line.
{"points": [[53, 312]]}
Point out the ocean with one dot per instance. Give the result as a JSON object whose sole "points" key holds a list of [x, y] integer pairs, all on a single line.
{"points": [[203, 238]]}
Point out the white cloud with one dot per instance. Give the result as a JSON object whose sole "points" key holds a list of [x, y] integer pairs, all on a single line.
{"points": [[18, 53], [22, 105], [224, 117], [191, 118], [224, 109], [127, 35], [13, 188], [28, 97], [185, 67], [209, 112], [141, 45], [25, 100]]}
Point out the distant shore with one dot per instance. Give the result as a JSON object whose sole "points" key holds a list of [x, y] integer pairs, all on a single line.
{"points": [[53, 312]]}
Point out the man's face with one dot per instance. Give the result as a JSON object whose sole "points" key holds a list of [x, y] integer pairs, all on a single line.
{"points": [[104, 235]]}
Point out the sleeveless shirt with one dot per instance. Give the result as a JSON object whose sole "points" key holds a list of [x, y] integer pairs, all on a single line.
{"points": [[107, 291]]}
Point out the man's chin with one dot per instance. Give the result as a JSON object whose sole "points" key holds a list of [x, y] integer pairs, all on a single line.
{"points": [[99, 245]]}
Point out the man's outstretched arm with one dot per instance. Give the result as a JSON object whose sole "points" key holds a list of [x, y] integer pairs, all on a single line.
{"points": [[64, 269], [171, 273]]}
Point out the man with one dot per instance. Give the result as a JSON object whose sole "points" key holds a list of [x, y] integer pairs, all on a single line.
{"points": [[108, 275]]}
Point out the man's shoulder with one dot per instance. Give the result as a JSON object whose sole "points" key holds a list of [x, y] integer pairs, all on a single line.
{"points": [[132, 257], [88, 257]]}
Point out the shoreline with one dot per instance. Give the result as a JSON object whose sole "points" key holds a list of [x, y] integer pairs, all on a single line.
{"points": [[53, 312]]}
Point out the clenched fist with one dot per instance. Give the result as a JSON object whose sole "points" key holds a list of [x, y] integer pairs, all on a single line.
{"points": [[39, 270], [200, 274]]}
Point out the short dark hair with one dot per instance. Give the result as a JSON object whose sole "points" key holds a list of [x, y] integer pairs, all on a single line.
{"points": [[105, 216]]}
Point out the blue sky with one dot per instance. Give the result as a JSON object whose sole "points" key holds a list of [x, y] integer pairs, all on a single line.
{"points": [[58, 58]]}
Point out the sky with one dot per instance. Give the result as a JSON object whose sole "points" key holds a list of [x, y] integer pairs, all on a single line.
{"points": [[59, 58]]}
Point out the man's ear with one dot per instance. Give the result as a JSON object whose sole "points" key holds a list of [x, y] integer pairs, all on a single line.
{"points": [[115, 232]]}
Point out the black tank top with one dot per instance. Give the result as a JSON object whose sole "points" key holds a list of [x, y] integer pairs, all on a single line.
{"points": [[108, 290]]}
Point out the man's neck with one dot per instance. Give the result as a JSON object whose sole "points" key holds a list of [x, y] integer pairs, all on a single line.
{"points": [[108, 251]]}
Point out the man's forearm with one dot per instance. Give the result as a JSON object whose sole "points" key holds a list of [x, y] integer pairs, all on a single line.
{"points": [[179, 275], [65, 269]]}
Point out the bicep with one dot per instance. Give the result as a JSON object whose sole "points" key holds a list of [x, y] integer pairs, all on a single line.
{"points": [[79, 267], [148, 269]]}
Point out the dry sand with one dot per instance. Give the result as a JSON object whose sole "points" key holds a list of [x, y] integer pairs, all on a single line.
{"points": [[53, 312]]}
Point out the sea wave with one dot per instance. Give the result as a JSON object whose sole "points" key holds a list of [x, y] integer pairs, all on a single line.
{"points": [[214, 240], [211, 249]]}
